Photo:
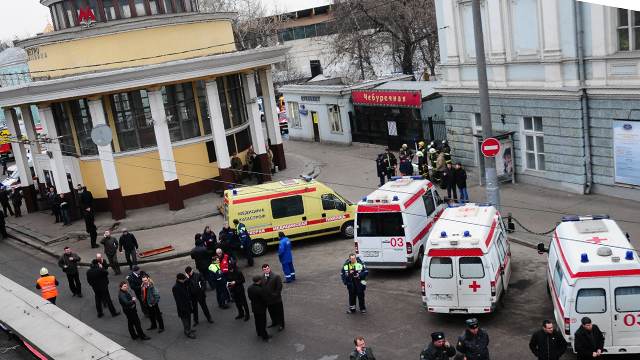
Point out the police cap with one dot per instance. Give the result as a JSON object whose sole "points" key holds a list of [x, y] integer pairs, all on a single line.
{"points": [[472, 323], [438, 335]]}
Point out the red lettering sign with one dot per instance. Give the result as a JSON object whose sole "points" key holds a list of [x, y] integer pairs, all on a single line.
{"points": [[390, 98]]}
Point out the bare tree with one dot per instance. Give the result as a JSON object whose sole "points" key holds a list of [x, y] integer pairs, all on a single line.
{"points": [[5, 45]]}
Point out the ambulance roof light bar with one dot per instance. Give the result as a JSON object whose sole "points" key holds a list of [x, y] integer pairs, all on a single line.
{"points": [[569, 218]]}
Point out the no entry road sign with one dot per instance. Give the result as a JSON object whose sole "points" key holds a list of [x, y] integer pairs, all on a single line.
{"points": [[490, 147]]}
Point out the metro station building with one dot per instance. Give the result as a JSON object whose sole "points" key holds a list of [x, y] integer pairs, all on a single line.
{"points": [[167, 80]]}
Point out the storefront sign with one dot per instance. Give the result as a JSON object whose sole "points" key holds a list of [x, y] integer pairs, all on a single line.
{"points": [[626, 152], [310, 98], [388, 98]]}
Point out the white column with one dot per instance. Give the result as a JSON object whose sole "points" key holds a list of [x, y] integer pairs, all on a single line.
{"points": [[453, 56], [104, 152], [163, 139], [217, 124], [19, 152], [54, 151], [496, 29], [270, 108], [251, 96], [551, 26], [27, 119]]}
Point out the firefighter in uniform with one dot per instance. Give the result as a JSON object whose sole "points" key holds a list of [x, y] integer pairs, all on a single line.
{"points": [[446, 150], [474, 343], [354, 274], [47, 284]]}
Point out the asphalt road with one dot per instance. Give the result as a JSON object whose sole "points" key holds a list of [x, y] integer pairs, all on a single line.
{"points": [[396, 326]]}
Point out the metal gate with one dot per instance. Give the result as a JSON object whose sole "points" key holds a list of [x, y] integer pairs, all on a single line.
{"points": [[435, 129]]}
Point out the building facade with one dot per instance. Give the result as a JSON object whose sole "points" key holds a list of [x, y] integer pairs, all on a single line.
{"points": [[563, 76], [178, 99], [13, 72]]}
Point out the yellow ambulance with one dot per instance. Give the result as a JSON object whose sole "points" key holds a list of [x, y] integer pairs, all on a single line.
{"points": [[301, 208]]}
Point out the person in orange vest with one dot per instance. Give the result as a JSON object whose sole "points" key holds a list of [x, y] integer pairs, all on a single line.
{"points": [[47, 284]]}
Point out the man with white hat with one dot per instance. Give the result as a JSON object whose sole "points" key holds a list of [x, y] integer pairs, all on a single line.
{"points": [[48, 285]]}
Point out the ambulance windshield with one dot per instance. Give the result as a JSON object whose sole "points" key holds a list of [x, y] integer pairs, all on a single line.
{"points": [[380, 224]]}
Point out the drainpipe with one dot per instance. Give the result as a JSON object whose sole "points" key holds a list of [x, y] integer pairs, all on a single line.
{"points": [[584, 98]]}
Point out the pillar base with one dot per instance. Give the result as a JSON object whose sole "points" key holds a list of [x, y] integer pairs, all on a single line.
{"points": [[30, 198], [174, 198], [278, 156], [265, 169], [116, 204]]}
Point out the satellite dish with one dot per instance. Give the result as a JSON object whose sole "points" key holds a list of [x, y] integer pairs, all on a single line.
{"points": [[101, 135]]}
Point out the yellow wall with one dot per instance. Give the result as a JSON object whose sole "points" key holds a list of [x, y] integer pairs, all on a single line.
{"points": [[139, 173], [92, 178], [132, 45], [192, 163]]}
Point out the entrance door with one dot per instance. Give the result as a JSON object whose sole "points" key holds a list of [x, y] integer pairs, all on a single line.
{"points": [[474, 289], [626, 310], [316, 130], [593, 300]]}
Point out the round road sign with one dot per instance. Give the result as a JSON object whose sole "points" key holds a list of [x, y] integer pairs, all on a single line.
{"points": [[490, 147]]}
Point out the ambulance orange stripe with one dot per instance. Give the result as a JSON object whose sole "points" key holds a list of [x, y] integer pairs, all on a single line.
{"points": [[275, 195], [490, 235], [300, 224], [424, 231], [378, 208]]}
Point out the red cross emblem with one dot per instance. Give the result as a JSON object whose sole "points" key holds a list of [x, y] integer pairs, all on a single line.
{"points": [[475, 286], [596, 240]]}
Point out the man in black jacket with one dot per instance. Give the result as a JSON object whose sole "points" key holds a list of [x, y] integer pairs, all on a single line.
{"points": [[4, 200], [273, 286], [438, 349], [128, 303], [135, 283], [547, 343], [449, 179], [202, 258], [258, 296], [98, 279], [3, 225], [588, 340], [198, 296], [111, 250], [68, 262], [474, 343], [90, 225], [129, 243], [182, 296], [86, 197]]}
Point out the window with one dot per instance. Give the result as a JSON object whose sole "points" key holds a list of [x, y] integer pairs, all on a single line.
{"points": [[501, 250], [154, 7], [83, 125], [628, 30], [168, 7], [591, 301], [628, 299], [477, 123], [71, 13], [140, 9], [63, 128], [294, 114], [134, 124], [334, 119], [285, 207], [201, 93], [180, 109], [533, 143], [330, 202], [558, 276], [243, 139], [125, 9], [62, 20], [231, 144], [429, 204], [380, 224], [437, 198], [110, 10], [441, 268], [471, 268], [235, 100], [298, 32]]}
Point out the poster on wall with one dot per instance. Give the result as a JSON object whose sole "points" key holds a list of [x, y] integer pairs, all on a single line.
{"points": [[626, 152], [393, 128], [504, 160]]}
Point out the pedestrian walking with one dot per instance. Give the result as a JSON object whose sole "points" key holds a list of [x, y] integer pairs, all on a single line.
{"points": [[258, 296], [381, 169], [273, 285], [134, 279], [438, 349], [90, 227], [151, 298], [68, 262], [86, 197], [182, 296], [588, 341], [64, 209], [390, 163], [245, 241], [48, 285], [3, 225], [54, 202], [209, 238], [225, 237], [547, 343], [220, 283], [354, 277], [4, 200], [128, 303], [129, 243], [202, 260], [474, 343], [98, 279], [449, 180], [460, 176], [286, 258], [197, 286], [361, 352], [235, 283], [16, 201], [111, 250]]}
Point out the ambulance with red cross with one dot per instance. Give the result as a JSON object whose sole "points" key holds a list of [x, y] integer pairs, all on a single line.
{"points": [[393, 222], [467, 264], [594, 271]]}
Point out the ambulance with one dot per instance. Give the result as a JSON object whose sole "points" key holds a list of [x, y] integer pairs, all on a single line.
{"points": [[394, 221], [594, 271], [301, 208], [467, 265]]}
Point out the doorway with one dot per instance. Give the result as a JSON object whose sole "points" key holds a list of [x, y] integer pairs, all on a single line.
{"points": [[316, 130]]}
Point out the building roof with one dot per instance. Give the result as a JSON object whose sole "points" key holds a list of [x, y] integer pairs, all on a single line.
{"points": [[427, 88], [13, 56], [449, 231], [337, 90]]}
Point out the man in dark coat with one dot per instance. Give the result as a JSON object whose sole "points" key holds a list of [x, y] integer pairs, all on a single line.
{"points": [[135, 283], [3, 225], [86, 197], [273, 286], [449, 180], [258, 296], [235, 283], [16, 201], [547, 343], [474, 343], [129, 243], [54, 202], [438, 349], [90, 225], [202, 259], [390, 163], [381, 169], [182, 296], [111, 250], [460, 176], [128, 303], [588, 340], [98, 279], [197, 286], [68, 262], [4, 200]]}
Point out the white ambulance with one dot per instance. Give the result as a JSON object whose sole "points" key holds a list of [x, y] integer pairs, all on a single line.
{"points": [[393, 222], [467, 264], [594, 271]]}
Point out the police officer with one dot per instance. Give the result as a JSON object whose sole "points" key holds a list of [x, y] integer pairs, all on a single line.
{"points": [[438, 349], [245, 241], [474, 343], [354, 274]]}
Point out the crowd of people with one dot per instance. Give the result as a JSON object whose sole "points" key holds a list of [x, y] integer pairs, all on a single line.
{"points": [[433, 162]]}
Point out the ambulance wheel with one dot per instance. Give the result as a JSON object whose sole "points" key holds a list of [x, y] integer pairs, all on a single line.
{"points": [[348, 230], [259, 247]]}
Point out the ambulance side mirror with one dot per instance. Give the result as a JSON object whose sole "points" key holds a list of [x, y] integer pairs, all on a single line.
{"points": [[542, 249]]}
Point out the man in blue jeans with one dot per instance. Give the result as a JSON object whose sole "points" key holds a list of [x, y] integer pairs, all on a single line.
{"points": [[286, 258], [460, 176]]}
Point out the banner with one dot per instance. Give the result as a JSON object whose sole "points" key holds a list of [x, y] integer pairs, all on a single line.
{"points": [[626, 152], [504, 159], [623, 4], [388, 98]]}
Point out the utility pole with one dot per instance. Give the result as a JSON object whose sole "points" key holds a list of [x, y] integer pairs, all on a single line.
{"points": [[491, 175]]}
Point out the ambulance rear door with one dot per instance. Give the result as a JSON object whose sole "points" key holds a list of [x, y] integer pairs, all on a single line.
{"points": [[474, 287], [626, 310], [441, 287], [381, 238], [593, 300]]}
